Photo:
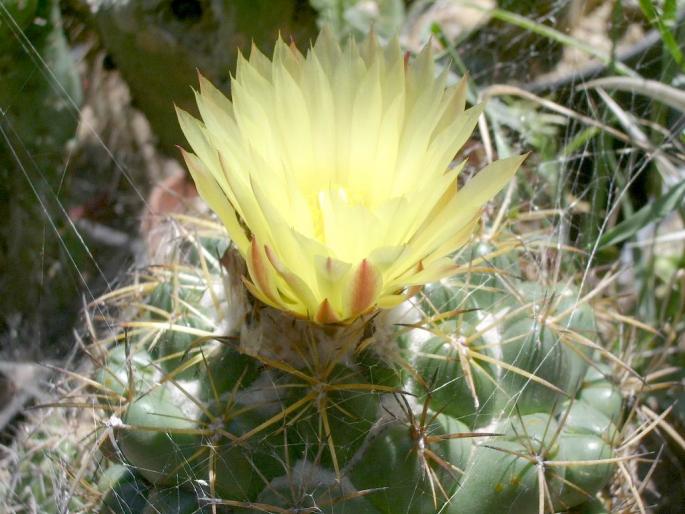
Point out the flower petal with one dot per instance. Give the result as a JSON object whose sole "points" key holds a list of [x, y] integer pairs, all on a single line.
{"points": [[332, 173], [262, 272], [326, 314], [301, 290], [213, 195], [364, 287]]}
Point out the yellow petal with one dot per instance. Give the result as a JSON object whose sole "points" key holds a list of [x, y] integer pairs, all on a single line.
{"points": [[213, 195], [332, 173]]}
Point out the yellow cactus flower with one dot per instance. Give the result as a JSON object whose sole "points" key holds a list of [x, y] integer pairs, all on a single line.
{"points": [[331, 173]]}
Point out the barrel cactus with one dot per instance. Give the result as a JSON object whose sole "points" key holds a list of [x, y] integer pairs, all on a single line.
{"points": [[341, 342]]}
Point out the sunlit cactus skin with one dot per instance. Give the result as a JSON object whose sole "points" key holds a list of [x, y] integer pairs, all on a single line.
{"points": [[389, 424]]}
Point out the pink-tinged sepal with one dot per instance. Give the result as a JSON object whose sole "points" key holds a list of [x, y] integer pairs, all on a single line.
{"points": [[261, 272], [326, 315], [365, 287]]}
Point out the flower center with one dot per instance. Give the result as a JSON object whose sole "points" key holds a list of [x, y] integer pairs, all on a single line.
{"points": [[329, 208]]}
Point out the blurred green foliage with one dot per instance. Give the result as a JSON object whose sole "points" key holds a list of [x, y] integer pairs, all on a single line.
{"points": [[40, 93]]}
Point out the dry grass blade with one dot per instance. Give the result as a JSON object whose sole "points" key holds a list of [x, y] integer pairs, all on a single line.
{"points": [[668, 170], [666, 427], [641, 433], [161, 325], [123, 292], [633, 490], [652, 88], [504, 90]]}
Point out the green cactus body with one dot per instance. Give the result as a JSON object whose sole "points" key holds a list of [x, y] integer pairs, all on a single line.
{"points": [[162, 439], [578, 446], [531, 345], [340, 417], [118, 371], [601, 394], [175, 501], [493, 394], [235, 463], [315, 491], [505, 470], [397, 460], [124, 492], [439, 361], [226, 370]]}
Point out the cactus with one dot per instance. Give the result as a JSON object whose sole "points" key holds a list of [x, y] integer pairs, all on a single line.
{"points": [[239, 380], [473, 396]]}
